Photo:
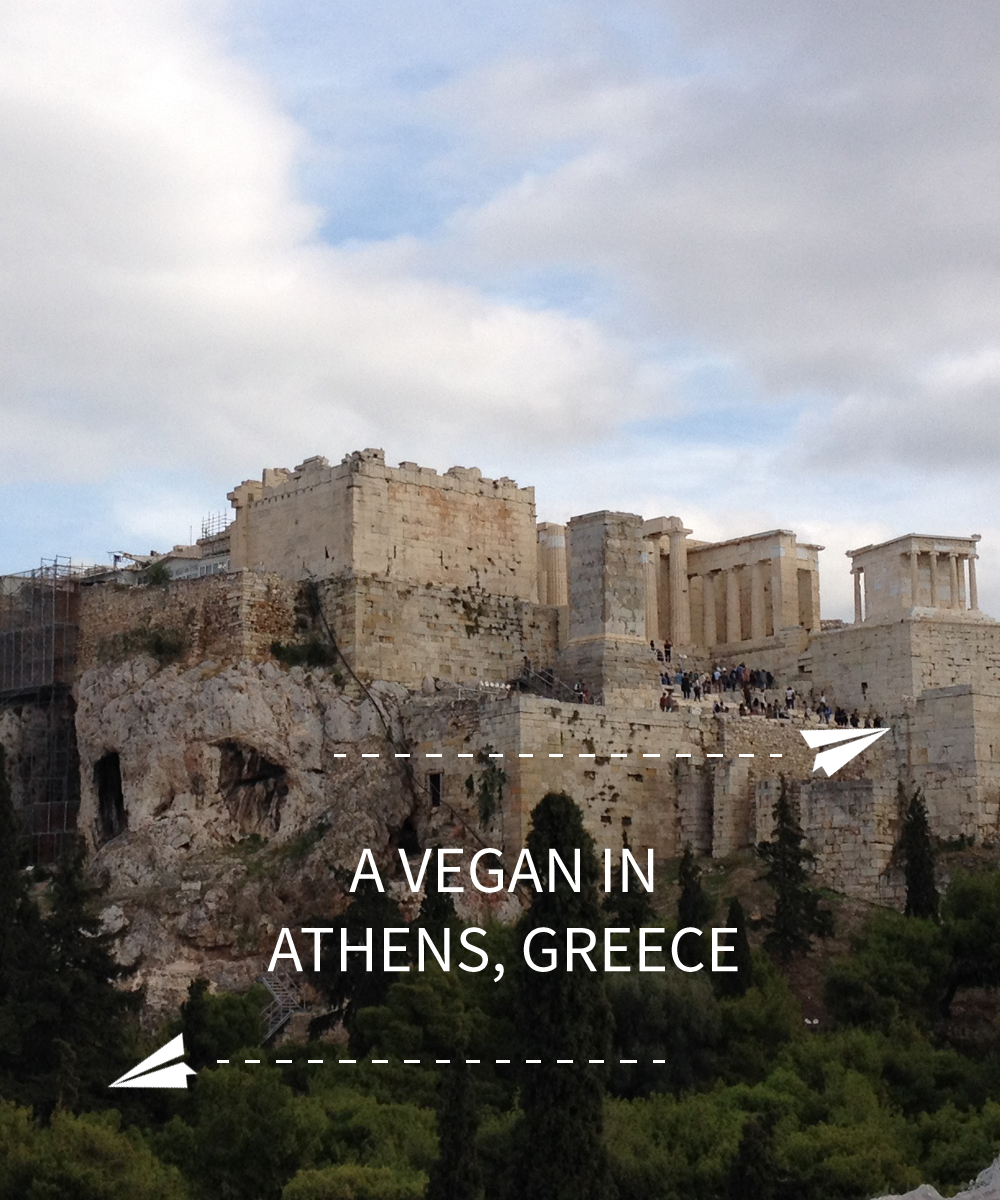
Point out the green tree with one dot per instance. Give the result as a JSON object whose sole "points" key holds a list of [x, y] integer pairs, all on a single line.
{"points": [[85, 1157], [563, 1014], [754, 1174], [215, 1026], [244, 1134], [897, 968], [67, 1027], [456, 1174], [437, 909], [971, 920], [347, 992], [694, 906], [918, 853], [736, 983], [797, 916]]}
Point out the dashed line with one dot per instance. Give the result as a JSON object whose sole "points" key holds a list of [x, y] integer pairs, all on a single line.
{"points": [[443, 1062], [560, 754]]}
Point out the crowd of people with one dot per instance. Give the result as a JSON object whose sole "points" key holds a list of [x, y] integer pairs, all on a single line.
{"points": [[751, 691]]}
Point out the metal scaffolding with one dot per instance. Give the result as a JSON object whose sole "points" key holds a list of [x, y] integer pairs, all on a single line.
{"points": [[39, 628]]}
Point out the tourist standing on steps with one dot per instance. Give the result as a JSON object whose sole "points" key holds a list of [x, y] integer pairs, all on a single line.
{"points": [[789, 698]]}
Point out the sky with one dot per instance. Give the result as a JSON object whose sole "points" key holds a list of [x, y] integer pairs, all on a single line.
{"points": [[738, 263]]}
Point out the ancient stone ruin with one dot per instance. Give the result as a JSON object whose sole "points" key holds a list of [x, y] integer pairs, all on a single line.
{"points": [[382, 656]]}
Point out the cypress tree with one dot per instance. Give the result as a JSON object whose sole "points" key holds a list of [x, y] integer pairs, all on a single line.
{"points": [[797, 915], [754, 1174], [732, 984], [456, 1174], [81, 992], [693, 907], [918, 852], [564, 1014], [347, 992]]}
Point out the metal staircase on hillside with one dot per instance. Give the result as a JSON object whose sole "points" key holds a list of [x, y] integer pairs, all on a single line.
{"points": [[286, 1001]]}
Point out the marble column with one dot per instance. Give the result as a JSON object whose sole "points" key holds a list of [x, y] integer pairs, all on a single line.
{"points": [[973, 592], [734, 628], [651, 579], [856, 572], [710, 630], [777, 596], [914, 578], [953, 579], [680, 600], [758, 617], [934, 579]]}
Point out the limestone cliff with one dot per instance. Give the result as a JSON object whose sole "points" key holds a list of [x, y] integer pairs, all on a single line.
{"points": [[215, 801]]}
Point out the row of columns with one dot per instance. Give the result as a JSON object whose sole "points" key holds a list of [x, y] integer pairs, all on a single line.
{"points": [[720, 587], [954, 570]]}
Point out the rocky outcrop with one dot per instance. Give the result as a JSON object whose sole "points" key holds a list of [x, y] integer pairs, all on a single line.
{"points": [[985, 1187], [214, 800]]}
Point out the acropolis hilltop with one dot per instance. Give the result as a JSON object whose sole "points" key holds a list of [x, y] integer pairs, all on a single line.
{"points": [[359, 639]]}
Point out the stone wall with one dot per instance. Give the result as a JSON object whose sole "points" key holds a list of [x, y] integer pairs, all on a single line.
{"points": [[404, 633], [632, 786], [852, 826], [898, 660], [405, 523], [225, 618]]}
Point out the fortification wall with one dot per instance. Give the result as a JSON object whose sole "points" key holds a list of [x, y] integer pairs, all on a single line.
{"points": [[406, 523], [634, 790], [225, 618], [852, 826], [404, 633], [899, 659]]}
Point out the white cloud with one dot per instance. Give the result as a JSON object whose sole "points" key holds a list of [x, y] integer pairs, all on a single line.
{"points": [[165, 298]]}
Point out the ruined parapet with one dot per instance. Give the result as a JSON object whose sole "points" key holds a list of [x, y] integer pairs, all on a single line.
{"points": [[607, 647], [408, 524]]}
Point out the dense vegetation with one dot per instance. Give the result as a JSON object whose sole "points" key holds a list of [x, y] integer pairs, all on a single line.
{"points": [[748, 1101]]}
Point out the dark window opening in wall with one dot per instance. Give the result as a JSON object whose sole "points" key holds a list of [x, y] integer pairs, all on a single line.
{"points": [[435, 785], [111, 820], [864, 689]]}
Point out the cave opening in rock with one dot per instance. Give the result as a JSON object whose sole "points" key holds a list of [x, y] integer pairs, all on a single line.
{"points": [[253, 787], [111, 820]]}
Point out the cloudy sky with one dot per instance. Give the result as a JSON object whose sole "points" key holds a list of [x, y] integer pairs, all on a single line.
{"points": [[736, 262]]}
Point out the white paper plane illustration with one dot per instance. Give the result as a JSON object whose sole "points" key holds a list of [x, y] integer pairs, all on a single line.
{"points": [[144, 1075], [854, 741]]}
